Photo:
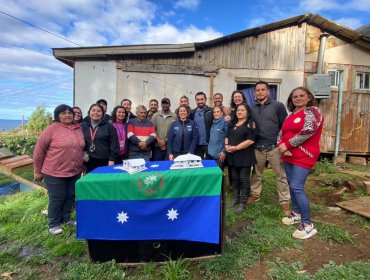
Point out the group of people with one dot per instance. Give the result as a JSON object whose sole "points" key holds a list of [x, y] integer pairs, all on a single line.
{"points": [[242, 137]]}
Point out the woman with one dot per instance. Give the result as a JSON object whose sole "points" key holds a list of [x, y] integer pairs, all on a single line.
{"points": [[119, 122], [58, 159], [300, 148], [101, 139], [182, 136], [237, 98], [216, 145], [239, 145], [78, 114]]}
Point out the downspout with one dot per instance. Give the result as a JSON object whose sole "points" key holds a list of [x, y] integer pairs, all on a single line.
{"points": [[339, 115], [320, 59]]}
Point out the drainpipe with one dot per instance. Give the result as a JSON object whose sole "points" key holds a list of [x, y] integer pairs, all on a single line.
{"points": [[339, 115], [320, 59]]}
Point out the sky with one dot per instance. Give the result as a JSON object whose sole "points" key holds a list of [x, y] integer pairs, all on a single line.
{"points": [[30, 76]]}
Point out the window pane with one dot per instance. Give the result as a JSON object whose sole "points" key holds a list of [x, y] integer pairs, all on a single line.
{"points": [[359, 81], [332, 77], [367, 76]]}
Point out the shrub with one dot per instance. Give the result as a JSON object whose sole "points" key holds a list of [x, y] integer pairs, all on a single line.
{"points": [[21, 145]]}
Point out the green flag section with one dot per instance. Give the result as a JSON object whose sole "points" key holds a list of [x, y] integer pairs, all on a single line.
{"points": [[154, 183]]}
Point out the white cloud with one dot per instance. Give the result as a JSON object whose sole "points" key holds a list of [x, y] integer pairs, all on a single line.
{"points": [[187, 4], [352, 23], [320, 5], [168, 33]]}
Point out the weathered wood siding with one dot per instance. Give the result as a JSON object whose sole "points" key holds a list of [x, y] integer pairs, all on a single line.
{"points": [[282, 49], [355, 120]]}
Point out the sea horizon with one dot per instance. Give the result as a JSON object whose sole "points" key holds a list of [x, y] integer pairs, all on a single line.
{"points": [[10, 124]]}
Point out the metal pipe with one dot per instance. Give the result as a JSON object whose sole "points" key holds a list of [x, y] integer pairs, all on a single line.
{"points": [[339, 115], [320, 59]]}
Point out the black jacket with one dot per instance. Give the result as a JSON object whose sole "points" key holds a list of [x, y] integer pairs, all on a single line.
{"points": [[105, 142], [208, 119]]}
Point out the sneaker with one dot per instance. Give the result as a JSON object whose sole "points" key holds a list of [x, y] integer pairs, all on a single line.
{"points": [[56, 230], [252, 199], [292, 219], [304, 231], [71, 223], [238, 210]]}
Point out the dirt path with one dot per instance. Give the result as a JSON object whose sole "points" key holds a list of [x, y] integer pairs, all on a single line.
{"points": [[317, 252]]}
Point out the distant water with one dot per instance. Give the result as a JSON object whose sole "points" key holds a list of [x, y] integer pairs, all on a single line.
{"points": [[7, 125]]}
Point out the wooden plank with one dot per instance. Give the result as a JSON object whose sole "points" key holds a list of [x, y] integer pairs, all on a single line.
{"points": [[19, 163], [21, 179], [359, 206], [13, 159]]}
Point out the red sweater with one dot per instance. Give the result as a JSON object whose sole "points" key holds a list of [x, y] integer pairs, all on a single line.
{"points": [[301, 133], [59, 151]]}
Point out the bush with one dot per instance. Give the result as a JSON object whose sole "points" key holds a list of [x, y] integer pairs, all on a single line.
{"points": [[39, 119], [21, 145]]}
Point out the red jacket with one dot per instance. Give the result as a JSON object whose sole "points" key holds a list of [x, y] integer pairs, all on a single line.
{"points": [[301, 134], [59, 151]]}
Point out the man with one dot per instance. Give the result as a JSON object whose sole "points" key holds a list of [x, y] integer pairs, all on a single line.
{"points": [[153, 108], [162, 121], [126, 103], [217, 101], [203, 117], [104, 104], [184, 101], [269, 116], [140, 135]]}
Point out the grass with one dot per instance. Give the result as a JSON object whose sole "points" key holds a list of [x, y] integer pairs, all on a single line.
{"points": [[362, 221], [331, 271], [254, 235], [331, 232]]}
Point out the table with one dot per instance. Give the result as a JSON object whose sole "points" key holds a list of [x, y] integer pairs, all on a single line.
{"points": [[135, 217]]}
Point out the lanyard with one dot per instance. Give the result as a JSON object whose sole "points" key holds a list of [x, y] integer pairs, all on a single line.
{"points": [[120, 132], [92, 135]]}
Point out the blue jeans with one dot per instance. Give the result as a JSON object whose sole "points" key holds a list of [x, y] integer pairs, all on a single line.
{"points": [[61, 193], [296, 177]]}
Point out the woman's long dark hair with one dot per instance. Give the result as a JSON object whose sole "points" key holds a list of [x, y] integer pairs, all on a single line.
{"points": [[96, 105], [249, 120], [114, 114], [232, 104]]}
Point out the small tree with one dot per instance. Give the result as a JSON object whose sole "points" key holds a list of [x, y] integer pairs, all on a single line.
{"points": [[39, 119]]}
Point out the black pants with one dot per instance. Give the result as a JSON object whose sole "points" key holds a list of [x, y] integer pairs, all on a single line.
{"points": [[95, 163], [158, 154], [241, 181], [61, 193], [202, 150]]}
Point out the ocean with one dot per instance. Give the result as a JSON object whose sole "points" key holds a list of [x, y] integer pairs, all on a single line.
{"points": [[7, 125]]}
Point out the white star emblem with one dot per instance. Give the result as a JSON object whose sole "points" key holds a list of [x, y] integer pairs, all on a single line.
{"points": [[172, 214], [122, 217]]}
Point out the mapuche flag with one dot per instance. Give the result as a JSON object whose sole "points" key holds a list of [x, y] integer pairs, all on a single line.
{"points": [[156, 204]]}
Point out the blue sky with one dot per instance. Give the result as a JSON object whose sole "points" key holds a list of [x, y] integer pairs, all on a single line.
{"points": [[30, 76]]}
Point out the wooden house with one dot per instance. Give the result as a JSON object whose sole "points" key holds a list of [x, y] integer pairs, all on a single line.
{"points": [[285, 54]]}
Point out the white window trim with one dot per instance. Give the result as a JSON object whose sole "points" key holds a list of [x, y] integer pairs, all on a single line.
{"points": [[357, 85], [336, 77]]}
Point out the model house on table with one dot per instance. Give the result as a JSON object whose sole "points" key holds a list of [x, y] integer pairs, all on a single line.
{"points": [[187, 161]]}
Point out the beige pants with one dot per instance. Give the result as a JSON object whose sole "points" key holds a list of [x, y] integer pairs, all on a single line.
{"points": [[274, 158]]}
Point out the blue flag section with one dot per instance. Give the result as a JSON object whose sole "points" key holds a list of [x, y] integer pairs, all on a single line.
{"points": [[192, 219]]}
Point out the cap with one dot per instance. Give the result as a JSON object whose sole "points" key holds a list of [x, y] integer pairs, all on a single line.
{"points": [[165, 100]]}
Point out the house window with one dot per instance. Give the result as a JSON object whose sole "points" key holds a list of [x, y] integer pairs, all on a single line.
{"points": [[362, 80], [335, 77]]}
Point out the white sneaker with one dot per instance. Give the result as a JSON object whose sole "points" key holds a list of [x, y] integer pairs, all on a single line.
{"points": [[292, 219], [304, 231], [56, 230]]}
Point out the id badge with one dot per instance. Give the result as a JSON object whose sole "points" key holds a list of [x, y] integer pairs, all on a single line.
{"points": [[122, 144], [92, 148]]}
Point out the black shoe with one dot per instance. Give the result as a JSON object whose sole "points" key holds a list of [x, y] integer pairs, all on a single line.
{"points": [[240, 208]]}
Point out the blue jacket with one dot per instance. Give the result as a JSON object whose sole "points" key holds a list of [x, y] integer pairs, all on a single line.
{"points": [[217, 137], [187, 132]]}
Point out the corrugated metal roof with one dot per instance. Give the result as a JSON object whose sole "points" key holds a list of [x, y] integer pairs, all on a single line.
{"points": [[68, 55]]}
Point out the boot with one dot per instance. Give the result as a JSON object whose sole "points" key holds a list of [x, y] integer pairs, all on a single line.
{"points": [[235, 199], [240, 208], [286, 209]]}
